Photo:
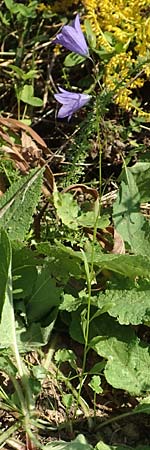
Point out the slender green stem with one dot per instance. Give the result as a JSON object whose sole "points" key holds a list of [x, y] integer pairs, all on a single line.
{"points": [[120, 417], [90, 270]]}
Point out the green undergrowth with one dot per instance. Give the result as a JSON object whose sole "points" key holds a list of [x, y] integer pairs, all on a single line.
{"points": [[101, 298], [74, 268]]}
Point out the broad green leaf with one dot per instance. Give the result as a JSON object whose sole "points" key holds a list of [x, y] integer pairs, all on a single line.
{"points": [[27, 96], [24, 267], [45, 296], [67, 209], [88, 219], [4, 266], [36, 334], [128, 359], [128, 220], [64, 262], [127, 265], [141, 173], [128, 301], [18, 204], [79, 443], [73, 59], [102, 446]]}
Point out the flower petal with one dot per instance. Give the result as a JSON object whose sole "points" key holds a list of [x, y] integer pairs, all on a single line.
{"points": [[72, 38], [71, 102]]}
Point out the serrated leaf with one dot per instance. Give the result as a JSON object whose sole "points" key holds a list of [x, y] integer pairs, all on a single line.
{"points": [[128, 220], [67, 209], [73, 59], [18, 204], [128, 301], [70, 303], [128, 359], [95, 384]]}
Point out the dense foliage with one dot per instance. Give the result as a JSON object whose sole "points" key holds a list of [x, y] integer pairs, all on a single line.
{"points": [[74, 223]]}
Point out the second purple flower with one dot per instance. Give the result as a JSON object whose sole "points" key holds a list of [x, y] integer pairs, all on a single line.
{"points": [[72, 38], [71, 102]]}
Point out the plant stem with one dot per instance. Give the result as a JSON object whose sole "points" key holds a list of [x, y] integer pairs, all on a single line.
{"points": [[120, 417]]}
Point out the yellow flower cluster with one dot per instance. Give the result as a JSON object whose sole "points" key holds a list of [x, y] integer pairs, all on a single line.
{"points": [[129, 23]]}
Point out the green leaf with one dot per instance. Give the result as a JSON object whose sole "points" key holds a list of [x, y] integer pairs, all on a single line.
{"points": [[27, 96], [127, 265], [88, 219], [128, 301], [7, 324], [129, 222], [63, 355], [18, 204], [141, 173], [102, 446], [4, 266], [67, 400], [67, 209], [79, 443], [7, 366], [45, 296], [64, 262], [24, 267], [9, 4], [143, 406], [73, 59], [36, 334], [70, 303], [91, 36], [128, 359], [19, 72], [95, 384]]}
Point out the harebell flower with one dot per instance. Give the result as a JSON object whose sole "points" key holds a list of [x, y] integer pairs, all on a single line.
{"points": [[72, 38], [71, 102]]}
